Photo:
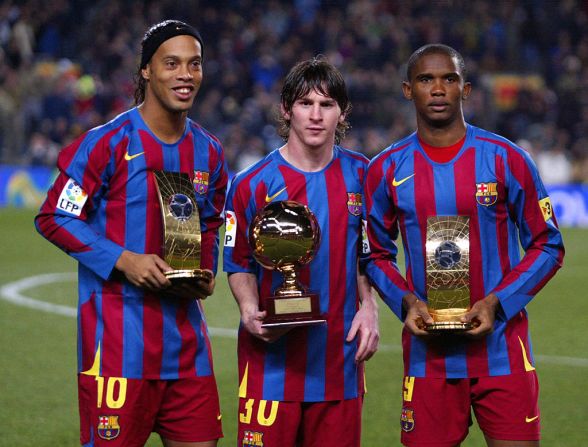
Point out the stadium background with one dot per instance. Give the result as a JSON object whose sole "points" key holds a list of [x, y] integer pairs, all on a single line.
{"points": [[67, 67]]}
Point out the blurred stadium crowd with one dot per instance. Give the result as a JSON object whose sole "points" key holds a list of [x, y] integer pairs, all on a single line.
{"points": [[67, 66]]}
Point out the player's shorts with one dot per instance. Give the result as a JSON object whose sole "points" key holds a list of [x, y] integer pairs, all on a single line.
{"points": [[311, 424], [437, 412], [119, 412]]}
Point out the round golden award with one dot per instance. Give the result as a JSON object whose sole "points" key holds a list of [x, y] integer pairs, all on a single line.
{"points": [[284, 236]]}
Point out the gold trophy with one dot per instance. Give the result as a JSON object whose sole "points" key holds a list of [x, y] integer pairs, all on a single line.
{"points": [[285, 236], [447, 270], [181, 230]]}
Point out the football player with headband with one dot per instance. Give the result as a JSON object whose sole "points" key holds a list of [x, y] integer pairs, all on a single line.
{"points": [[144, 357]]}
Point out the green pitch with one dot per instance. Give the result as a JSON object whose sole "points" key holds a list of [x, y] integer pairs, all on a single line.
{"points": [[38, 400]]}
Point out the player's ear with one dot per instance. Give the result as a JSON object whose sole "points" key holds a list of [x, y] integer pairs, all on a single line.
{"points": [[145, 72], [467, 88], [284, 112], [406, 89]]}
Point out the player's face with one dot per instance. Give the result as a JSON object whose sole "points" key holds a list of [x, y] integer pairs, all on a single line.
{"points": [[174, 74], [313, 120], [437, 89]]}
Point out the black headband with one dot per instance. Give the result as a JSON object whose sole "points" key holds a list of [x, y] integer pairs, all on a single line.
{"points": [[162, 32]]}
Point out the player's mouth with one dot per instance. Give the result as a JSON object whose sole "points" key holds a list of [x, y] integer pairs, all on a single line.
{"points": [[184, 92], [315, 129], [438, 106]]}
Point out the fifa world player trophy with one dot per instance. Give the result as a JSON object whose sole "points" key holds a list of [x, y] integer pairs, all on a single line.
{"points": [[285, 236], [181, 229], [447, 270]]}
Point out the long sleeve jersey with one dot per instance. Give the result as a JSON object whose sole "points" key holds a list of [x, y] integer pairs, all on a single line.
{"points": [[495, 184], [104, 201], [312, 363]]}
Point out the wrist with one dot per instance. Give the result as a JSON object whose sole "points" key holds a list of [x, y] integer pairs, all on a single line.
{"points": [[123, 260], [249, 308], [369, 302], [493, 301], [409, 300]]}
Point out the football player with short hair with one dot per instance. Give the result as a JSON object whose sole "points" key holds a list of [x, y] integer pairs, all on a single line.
{"points": [[304, 385], [144, 357], [451, 168]]}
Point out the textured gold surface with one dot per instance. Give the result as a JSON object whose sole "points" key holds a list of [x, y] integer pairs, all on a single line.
{"points": [[447, 271], [182, 237]]}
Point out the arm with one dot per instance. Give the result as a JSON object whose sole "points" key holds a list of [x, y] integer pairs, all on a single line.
{"points": [[74, 195], [244, 289], [85, 168], [365, 323], [382, 231], [211, 215], [530, 208]]}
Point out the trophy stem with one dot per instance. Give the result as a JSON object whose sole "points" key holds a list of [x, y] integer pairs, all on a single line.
{"points": [[291, 287]]}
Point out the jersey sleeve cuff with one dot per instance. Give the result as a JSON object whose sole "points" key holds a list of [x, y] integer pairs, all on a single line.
{"points": [[510, 305]]}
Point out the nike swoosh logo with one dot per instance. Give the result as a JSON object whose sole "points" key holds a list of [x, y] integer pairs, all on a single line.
{"points": [[130, 157], [268, 199], [528, 419], [219, 417], [400, 182]]}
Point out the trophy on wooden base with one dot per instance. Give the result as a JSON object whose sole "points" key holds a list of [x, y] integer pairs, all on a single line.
{"points": [[447, 270], [181, 230], [285, 236]]}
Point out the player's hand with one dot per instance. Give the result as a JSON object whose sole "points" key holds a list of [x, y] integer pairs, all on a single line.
{"points": [[482, 316], [417, 315], [144, 270], [365, 327], [252, 319]]}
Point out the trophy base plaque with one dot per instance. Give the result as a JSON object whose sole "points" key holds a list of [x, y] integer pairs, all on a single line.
{"points": [[294, 310], [448, 320], [194, 277]]}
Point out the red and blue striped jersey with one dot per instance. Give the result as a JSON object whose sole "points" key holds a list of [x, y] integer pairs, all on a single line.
{"points": [[494, 183], [312, 363], [104, 201]]}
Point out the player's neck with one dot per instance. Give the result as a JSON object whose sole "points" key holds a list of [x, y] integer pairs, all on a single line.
{"points": [[305, 158], [167, 126], [441, 136]]}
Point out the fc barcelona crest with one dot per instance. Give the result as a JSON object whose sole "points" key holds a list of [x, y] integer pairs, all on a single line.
{"points": [[108, 427], [407, 419], [200, 182], [354, 203], [252, 439], [486, 193]]}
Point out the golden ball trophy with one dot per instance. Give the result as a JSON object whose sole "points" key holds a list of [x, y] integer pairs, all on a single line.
{"points": [[284, 236]]}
